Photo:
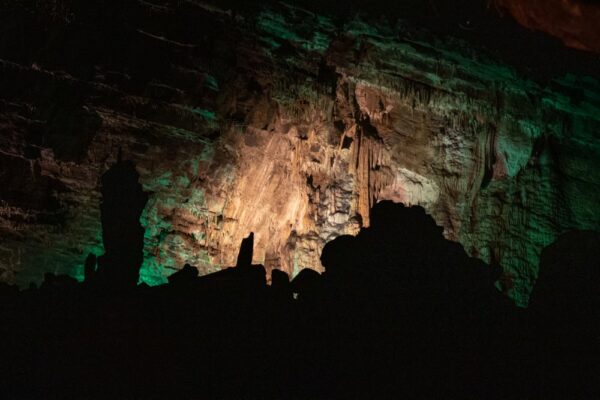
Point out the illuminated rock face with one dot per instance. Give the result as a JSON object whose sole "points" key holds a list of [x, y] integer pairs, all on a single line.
{"points": [[288, 126]]}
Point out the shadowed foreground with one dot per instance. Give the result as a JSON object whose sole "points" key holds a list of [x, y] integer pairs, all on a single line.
{"points": [[400, 312]]}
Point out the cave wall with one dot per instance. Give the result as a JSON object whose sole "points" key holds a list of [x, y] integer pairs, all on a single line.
{"points": [[574, 22], [284, 123]]}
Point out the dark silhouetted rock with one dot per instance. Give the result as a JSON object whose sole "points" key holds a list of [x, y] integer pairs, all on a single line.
{"points": [[89, 270], [244, 258], [187, 275], [305, 283], [123, 201], [565, 304], [280, 285]]}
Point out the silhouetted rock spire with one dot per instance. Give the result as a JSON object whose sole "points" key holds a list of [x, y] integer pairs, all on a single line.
{"points": [[123, 201], [246, 249]]}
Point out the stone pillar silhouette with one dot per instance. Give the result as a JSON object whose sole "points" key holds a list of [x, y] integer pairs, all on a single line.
{"points": [[244, 259], [123, 201]]}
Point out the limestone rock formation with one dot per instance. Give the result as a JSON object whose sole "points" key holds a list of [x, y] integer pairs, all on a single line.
{"points": [[284, 123]]}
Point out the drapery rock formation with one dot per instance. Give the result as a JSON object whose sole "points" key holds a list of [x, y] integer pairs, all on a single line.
{"points": [[283, 123]]}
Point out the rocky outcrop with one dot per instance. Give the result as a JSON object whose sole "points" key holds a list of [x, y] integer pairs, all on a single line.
{"points": [[283, 123], [575, 22]]}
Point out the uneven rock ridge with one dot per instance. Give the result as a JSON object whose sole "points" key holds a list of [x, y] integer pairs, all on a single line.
{"points": [[286, 124]]}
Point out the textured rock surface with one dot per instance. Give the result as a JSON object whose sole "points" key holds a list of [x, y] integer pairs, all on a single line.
{"points": [[286, 124], [575, 22]]}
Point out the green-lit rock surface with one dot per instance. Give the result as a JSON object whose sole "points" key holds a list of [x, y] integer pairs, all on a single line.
{"points": [[286, 124]]}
